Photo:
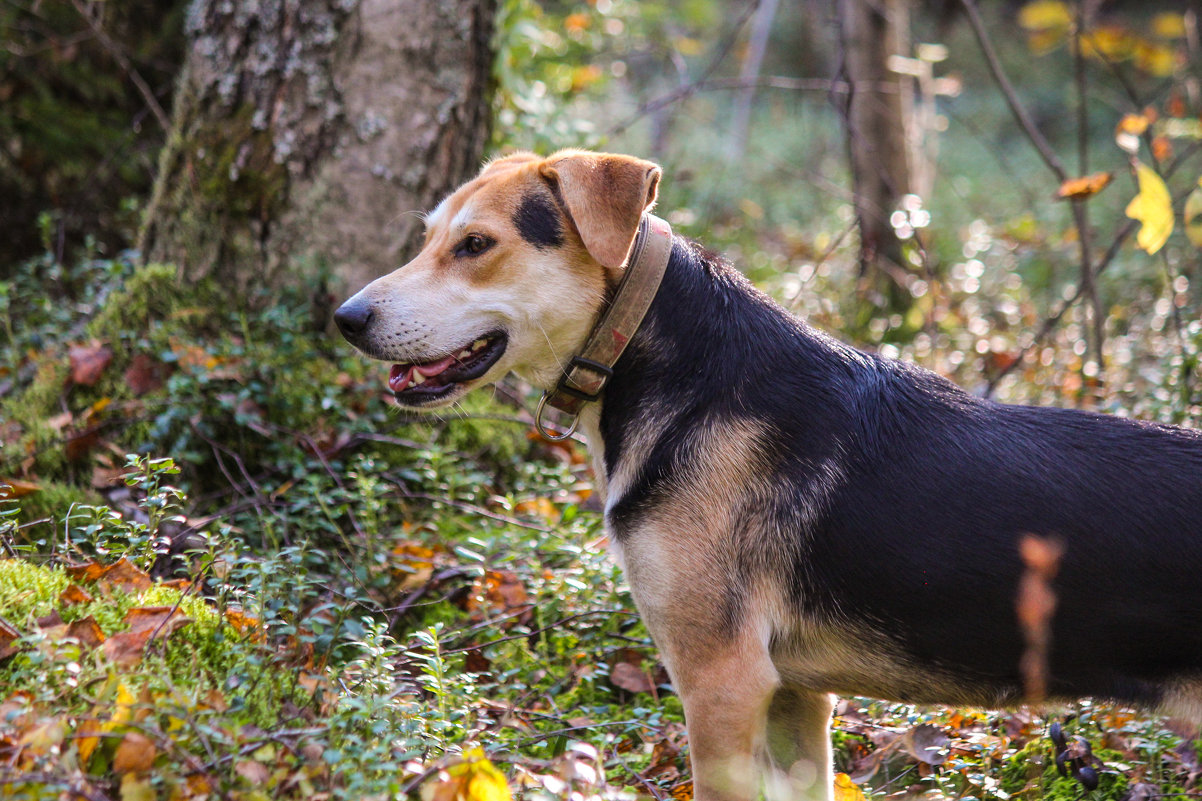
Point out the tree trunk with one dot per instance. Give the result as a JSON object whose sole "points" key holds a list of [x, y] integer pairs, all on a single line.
{"points": [[873, 30], [306, 133]]}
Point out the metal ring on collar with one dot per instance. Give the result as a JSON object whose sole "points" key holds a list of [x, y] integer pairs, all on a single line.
{"points": [[546, 432]]}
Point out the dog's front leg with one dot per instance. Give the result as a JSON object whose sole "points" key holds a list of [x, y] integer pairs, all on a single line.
{"points": [[726, 689]]}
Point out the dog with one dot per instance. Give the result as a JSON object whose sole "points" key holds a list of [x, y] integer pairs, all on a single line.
{"points": [[797, 518]]}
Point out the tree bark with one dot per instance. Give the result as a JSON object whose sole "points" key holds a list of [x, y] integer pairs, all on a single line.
{"points": [[307, 133], [873, 30]]}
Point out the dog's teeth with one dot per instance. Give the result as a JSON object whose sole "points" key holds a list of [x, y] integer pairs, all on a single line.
{"points": [[479, 343], [466, 352], [417, 379]]}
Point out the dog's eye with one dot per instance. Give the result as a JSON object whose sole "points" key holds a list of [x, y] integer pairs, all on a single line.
{"points": [[473, 245]]}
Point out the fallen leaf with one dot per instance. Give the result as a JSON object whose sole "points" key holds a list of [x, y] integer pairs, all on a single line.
{"points": [[87, 631], [498, 592], [135, 788], [9, 634], [86, 738], [1153, 207], [846, 789], [682, 791], [88, 362], [121, 575], [136, 753], [127, 647], [145, 374], [1076, 188], [630, 678], [144, 618], [926, 743], [15, 488], [472, 778], [74, 594], [256, 773]]}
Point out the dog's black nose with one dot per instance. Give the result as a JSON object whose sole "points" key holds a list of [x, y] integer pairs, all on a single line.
{"points": [[352, 317]]}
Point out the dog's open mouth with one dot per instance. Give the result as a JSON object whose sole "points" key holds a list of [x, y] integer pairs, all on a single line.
{"points": [[428, 381]]}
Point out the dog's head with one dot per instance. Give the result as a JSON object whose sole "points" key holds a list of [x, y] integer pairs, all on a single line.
{"points": [[513, 273]]}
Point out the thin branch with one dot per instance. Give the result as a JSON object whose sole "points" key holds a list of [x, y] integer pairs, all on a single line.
{"points": [[1016, 108], [684, 91], [115, 51]]}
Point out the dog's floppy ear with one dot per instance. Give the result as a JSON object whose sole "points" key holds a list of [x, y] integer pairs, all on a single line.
{"points": [[604, 196]]}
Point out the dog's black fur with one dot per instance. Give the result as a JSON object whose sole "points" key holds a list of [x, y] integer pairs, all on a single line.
{"points": [[919, 539]]}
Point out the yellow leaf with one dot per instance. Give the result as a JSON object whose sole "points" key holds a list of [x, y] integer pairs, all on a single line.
{"points": [[1042, 15], [1156, 59], [1193, 215], [1168, 26], [1153, 207], [473, 778], [846, 790], [136, 789]]}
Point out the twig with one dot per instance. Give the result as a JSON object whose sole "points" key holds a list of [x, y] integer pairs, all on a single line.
{"points": [[1016, 108], [532, 632], [143, 88], [463, 506], [688, 89]]}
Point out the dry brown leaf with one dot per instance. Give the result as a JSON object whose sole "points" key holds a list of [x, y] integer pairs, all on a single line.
{"points": [[122, 575], [136, 753], [9, 634], [256, 773], [145, 374], [125, 576], [926, 743], [630, 678], [87, 631], [88, 362], [144, 618], [74, 594], [15, 488], [127, 647]]}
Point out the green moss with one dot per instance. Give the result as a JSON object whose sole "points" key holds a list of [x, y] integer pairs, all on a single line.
{"points": [[205, 655]]}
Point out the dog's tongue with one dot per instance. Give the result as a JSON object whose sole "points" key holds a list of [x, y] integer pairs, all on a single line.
{"points": [[401, 375]]}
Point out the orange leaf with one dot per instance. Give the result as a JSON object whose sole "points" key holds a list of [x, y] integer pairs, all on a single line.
{"points": [[122, 575], [682, 791], [1162, 148], [88, 362], [8, 635], [87, 631], [13, 488], [136, 753], [87, 739], [1075, 188], [74, 594], [127, 647]]}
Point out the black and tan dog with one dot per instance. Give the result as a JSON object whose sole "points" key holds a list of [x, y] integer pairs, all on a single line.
{"points": [[796, 517]]}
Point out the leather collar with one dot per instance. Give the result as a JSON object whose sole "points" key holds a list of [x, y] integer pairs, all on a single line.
{"points": [[585, 376]]}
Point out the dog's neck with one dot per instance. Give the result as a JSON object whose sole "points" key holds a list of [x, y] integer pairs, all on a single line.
{"points": [[708, 338]]}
